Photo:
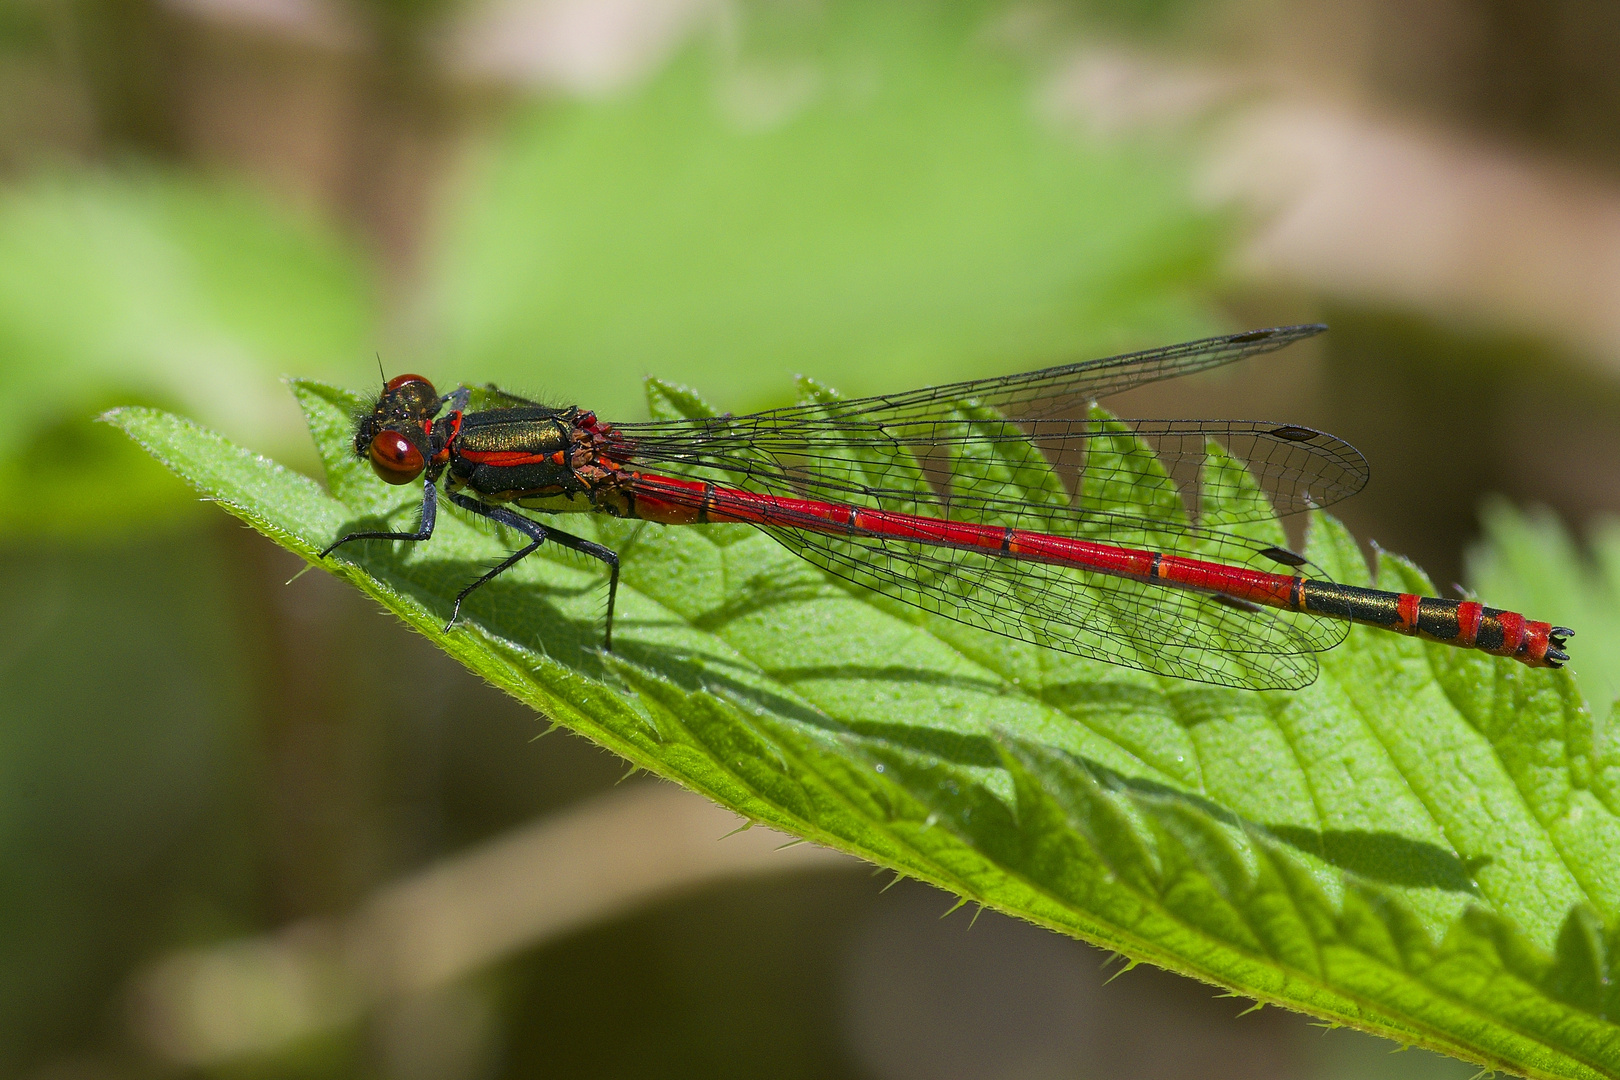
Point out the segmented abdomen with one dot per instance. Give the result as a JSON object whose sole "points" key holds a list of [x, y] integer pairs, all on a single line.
{"points": [[1464, 623]]}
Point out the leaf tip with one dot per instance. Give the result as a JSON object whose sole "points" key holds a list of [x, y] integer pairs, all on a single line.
{"points": [[123, 417]]}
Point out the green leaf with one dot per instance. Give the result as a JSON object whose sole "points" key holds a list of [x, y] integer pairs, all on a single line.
{"points": [[878, 187], [1421, 844], [1530, 562], [149, 286]]}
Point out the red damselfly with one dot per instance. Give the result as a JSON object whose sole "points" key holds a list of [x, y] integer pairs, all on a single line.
{"points": [[1004, 503]]}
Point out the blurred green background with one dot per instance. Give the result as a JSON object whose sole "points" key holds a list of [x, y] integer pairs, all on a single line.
{"points": [[198, 197]]}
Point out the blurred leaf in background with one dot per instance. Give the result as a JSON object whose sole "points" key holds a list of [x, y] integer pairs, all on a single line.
{"points": [[160, 287], [869, 192], [1529, 561]]}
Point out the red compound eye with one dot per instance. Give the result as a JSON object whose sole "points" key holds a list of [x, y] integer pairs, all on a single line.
{"points": [[394, 458]]}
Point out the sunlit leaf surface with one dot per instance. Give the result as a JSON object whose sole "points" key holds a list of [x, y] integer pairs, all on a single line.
{"points": [[1421, 844]]}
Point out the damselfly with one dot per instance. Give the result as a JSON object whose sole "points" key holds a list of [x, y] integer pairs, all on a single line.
{"points": [[1007, 504]]}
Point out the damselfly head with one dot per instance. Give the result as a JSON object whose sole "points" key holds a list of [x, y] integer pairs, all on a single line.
{"points": [[394, 436]]}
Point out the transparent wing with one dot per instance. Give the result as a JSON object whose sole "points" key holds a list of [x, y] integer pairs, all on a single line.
{"points": [[490, 396], [1054, 390], [887, 449], [1297, 468]]}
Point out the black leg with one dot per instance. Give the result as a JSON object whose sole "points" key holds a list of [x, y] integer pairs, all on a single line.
{"points": [[537, 534], [430, 514], [607, 555]]}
